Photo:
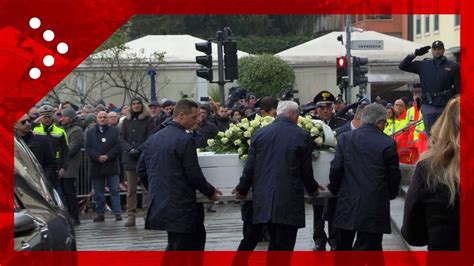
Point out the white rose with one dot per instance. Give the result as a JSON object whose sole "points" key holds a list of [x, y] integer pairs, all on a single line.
{"points": [[228, 133], [264, 124], [221, 134], [240, 151], [255, 123], [211, 142], [245, 125], [319, 126], [237, 142], [314, 131], [319, 141], [247, 134], [244, 157], [235, 129], [249, 142], [244, 121], [225, 140], [250, 130]]}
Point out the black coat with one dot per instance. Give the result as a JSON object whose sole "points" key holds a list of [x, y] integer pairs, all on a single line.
{"points": [[221, 123], [345, 128], [170, 170], [134, 132], [106, 143], [43, 152], [278, 169], [435, 78], [206, 130], [365, 175], [428, 218]]}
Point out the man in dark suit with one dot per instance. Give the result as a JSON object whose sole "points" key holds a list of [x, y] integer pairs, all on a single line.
{"points": [[365, 176], [278, 169], [170, 168]]}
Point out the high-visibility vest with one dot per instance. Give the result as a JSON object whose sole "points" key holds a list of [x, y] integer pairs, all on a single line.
{"points": [[396, 124], [413, 115], [390, 127], [54, 132]]}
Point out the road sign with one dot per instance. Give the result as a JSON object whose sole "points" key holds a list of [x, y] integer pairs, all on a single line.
{"points": [[367, 45]]}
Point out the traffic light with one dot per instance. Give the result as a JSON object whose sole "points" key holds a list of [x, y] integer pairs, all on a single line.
{"points": [[341, 69], [231, 66], [359, 69], [205, 60]]}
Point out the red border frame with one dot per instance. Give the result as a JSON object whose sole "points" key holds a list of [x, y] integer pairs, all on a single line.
{"points": [[84, 24]]}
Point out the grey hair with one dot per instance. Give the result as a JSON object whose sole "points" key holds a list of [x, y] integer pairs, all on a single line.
{"points": [[373, 113], [285, 107]]}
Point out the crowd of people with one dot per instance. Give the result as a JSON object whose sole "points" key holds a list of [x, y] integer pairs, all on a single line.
{"points": [[154, 146]]}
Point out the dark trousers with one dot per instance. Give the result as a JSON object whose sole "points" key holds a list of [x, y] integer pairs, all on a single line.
{"points": [[68, 187], [365, 241], [252, 235], [321, 214], [430, 115], [194, 242], [282, 238]]}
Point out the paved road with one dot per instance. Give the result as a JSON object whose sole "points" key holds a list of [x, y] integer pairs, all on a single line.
{"points": [[224, 232]]}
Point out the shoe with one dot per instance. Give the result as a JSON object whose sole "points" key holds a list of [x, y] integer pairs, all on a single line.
{"points": [[118, 217], [130, 222], [332, 243], [99, 218], [210, 208], [76, 222], [319, 244]]}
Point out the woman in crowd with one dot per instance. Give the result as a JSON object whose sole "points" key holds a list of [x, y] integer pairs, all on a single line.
{"points": [[431, 214]]}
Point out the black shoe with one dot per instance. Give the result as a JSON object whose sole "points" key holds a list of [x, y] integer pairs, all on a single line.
{"points": [[99, 218], [118, 217], [210, 208], [319, 244]]}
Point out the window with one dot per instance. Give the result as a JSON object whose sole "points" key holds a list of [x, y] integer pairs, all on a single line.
{"points": [[427, 23], [418, 25], [436, 23], [457, 19]]}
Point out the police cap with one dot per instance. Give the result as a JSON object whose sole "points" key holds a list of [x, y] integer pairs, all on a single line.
{"points": [[323, 98]]}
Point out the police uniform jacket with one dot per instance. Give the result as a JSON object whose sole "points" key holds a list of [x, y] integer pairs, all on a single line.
{"points": [[435, 78]]}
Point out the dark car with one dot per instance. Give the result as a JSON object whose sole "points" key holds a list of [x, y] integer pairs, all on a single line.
{"points": [[41, 222]]}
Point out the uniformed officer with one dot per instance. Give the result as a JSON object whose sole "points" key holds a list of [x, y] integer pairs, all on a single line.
{"points": [[324, 106], [58, 141], [439, 79]]}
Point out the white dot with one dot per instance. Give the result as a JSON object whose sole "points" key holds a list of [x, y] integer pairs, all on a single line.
{"points": [[48, 35], [62, 48], [35, 73], [35, 23], [48, 60]]}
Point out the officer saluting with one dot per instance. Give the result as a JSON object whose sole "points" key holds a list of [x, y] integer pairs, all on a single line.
{"points": [[324, 106], [439, 79]]}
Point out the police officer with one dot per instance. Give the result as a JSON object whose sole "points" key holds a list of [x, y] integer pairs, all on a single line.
{"points": [[324, 106], [439, 79], [58, 141]]}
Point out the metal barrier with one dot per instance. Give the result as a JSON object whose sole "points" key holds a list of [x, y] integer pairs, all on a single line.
{"points": [[84, 184]]}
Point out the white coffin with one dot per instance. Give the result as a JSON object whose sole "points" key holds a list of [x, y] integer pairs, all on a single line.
{"points": [[223, 171]]}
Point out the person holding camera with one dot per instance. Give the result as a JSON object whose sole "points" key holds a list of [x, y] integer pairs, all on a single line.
{"points": [[136, 128], [439, 79]]}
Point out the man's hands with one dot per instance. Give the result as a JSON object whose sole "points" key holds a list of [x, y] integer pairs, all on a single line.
{"points": [[134, 153], [61, 173], [422, 50], [216, 195], [238, 195], [103, 158], [316, 193]]}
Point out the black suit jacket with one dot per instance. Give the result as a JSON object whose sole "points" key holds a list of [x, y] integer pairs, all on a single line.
{"points": [[169, 166], [278, 169], [365, 175]]}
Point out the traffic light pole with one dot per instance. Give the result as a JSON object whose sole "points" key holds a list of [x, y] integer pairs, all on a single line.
{"points": [[220, 67], [348, 58]]}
